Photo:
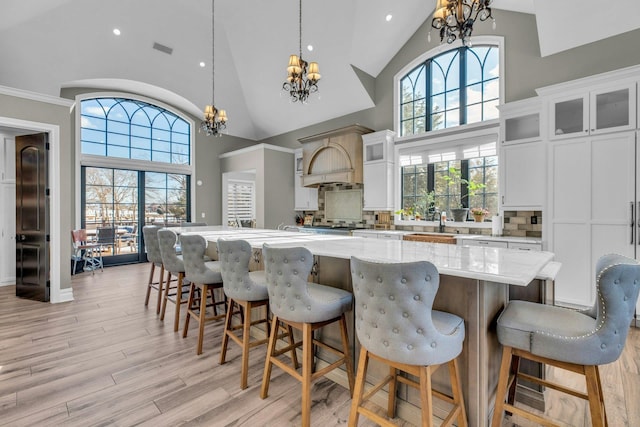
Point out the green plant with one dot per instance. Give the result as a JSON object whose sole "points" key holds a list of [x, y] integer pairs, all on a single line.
{"points": [[408, 211], [479, 211], [455, 181]]}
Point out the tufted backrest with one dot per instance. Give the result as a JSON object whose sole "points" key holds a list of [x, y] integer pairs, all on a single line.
{"points": [[167, 240], [195, 268], [394, 312], [150, 233], [287, 270], [618, 285], [234, 256]]}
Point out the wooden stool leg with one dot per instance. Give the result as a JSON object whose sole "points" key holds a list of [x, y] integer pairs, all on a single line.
{"points": [[456, 389], [595, 398], [426, 398], [503, 380], [604, 410], [149, 283], [294, 355], [192, 290], [160, 289], [515, 368], [361, 376], [307, 363], [227, 330], [246, 335], [346, 352], [266, 377], [393, 383], [202, 317], [166, 296], [176, 320]]}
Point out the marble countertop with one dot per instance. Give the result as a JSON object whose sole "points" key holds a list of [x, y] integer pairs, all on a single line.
{"points": [[480, 263], [514, 239]]}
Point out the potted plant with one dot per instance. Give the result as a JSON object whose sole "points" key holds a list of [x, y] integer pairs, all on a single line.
{"points": [[406, 213], [479, 214], [455, 181]]}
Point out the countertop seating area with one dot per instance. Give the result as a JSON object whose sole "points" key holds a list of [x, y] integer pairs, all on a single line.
{"points": [[106, 359]]}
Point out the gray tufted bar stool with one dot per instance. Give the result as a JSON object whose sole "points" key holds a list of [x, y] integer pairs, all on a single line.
{"points": [[205, 278], [306, 307], [395, 325], [174, 266], [245, 291], [577, 341], [150, 235]]}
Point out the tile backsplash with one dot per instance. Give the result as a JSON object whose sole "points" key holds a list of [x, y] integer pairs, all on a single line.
{"points": [[320, 216], [523, 223]]}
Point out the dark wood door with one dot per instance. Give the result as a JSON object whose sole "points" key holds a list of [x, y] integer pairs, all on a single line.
{"points": [[32, 217]]}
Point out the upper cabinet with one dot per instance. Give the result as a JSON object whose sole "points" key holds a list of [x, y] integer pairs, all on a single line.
{"points": [[603, 109], [521, 121], [305, 198], [378, 169], [334, 156]]}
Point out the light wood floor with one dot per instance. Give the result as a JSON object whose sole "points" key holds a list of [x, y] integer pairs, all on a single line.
{"points": [[105, 359]]}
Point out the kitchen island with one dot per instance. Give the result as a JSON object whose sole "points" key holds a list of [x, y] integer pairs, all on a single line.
{"points": [[474, 285]]}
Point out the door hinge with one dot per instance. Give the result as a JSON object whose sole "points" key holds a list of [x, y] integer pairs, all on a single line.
{"points": [[46, 146], [47, 192], [48, 238], [48, 283]]}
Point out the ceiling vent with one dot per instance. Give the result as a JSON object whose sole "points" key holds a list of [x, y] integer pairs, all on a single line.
{"points": [[162, 48]]}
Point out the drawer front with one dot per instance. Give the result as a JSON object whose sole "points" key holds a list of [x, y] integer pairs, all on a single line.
{"points": [[485, 243], [390, 236], [526, 246]]}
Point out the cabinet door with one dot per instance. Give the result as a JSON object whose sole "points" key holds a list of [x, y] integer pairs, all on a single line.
{"points": [[522, 128], [7, 233], [613, 110], [378, 186], [569, 116], [523, 170], [484, 243], [305, 198]]}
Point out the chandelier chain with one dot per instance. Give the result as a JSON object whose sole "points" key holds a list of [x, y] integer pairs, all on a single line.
{"points": [[300, 29], [213, 53]]}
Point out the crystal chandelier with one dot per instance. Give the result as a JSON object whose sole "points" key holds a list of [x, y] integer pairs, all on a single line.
{"points": [[455, 18], [302, 77], [215, 120]]}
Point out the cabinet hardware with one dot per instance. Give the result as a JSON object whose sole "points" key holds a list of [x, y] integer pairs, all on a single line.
{"points": [[632, 222]]}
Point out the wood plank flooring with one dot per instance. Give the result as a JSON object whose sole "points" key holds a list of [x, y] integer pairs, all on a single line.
{"points": [[105, 359]]}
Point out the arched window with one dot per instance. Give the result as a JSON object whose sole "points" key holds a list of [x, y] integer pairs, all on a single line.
{"points": [[456, 87], [133, 129], [135, 169]]}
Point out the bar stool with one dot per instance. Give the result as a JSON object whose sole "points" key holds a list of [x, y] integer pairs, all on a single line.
{"points": [[150, 233], [205, 278], [173, 265], [306, 307], [577, 341], [396, 325], [244, 291]]}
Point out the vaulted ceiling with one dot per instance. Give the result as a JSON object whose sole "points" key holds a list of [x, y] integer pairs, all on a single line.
{"points": [[47, 45]]}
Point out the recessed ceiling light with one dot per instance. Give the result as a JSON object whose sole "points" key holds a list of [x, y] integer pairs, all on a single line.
{"points": [[388, 17], [202, 64], [116, 31], [309, 48]]}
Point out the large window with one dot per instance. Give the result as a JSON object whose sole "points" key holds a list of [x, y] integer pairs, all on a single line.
{"points": [[135, 170], [446, 178], [456, 87], [241, 202]]}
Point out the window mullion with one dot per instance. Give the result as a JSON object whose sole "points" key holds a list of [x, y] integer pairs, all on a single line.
{"points": [[464, 188], [463, 85], [428, 94]]}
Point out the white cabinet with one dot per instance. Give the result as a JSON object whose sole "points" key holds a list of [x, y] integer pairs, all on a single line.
{"points": [[378, 170], [523, 246], [382, 235], [305, 198], [592, 198], [521, 121], [523, 176], [603, 109]]}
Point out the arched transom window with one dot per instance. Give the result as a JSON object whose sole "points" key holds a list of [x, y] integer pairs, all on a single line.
{"points": [[456, 87]]}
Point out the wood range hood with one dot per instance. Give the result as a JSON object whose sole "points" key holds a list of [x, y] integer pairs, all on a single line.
{"points": [[333, 157]]}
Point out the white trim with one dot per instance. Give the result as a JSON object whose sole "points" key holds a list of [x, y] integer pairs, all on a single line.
{"points": [[478, 40], [110, 162], [35, 96], [631, 73], [55, 244], [256, 147]]}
